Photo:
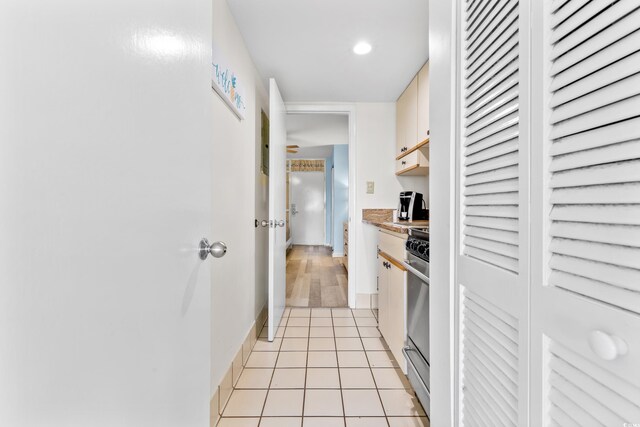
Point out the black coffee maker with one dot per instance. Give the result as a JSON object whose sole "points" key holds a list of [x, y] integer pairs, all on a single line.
{"points": [[412, 207]]}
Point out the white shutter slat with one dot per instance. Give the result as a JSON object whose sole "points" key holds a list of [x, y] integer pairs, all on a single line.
{"points": [[489, 363], [600, 137], [614, 13], [598, 194], [507, 349], [495, 104], [504, 106], [504, 186], [494, 368], [605, 214], [493, 140], [490, 54], [494, 85], [503, 56], [495, 223], [492, 199], [496, 388], [626, 235], [589, 393], [490, 234], [567, 21], [569, 8], [624, 256], [625, 109], [495, 23], [493, 176], [617, 71], [492, 258], [496, 211], [616, 403], [492, 164], [610, 173], [479, 11], [598, 99], [596, 156], [561, 418], [588, 404], [617, 296], [496, 150], [499, 248], [604, 49], [611, 274]]}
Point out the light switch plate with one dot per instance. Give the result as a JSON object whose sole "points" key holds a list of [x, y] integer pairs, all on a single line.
{"points": [[370, 187]]}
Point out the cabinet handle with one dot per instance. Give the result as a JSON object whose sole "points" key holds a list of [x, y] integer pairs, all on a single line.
{"points": [[404, 163], [607, 347]]}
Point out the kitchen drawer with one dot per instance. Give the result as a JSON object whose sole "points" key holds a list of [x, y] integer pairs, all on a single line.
{"points": [[392, 243]]}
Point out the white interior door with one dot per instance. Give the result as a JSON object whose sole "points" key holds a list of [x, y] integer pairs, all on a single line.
{"points": [[492, 266], [585, 307], [105, 193], [277, 207], [308, 208]]}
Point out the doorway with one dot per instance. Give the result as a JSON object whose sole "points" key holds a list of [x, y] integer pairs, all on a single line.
{"points": [[318, 210]]}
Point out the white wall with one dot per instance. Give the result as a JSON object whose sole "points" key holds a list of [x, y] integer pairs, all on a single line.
{"points": [[237, 290], [375, 135]]}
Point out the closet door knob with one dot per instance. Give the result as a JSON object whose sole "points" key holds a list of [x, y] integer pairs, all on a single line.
{"points": [[607, 347]]}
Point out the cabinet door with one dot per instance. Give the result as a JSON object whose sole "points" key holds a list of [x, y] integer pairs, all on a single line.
{"points": [[396, 280], [400, 103], [411, 115], [383, 297], [413, 160], [423, 103]]}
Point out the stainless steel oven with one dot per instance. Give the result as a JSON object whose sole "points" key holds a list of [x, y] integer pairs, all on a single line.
{"points": [[416, 350]]}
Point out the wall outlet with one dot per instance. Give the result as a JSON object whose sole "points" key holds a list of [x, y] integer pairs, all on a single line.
{"points": [[370, 187]]}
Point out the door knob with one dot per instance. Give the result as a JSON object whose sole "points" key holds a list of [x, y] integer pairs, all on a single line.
{"points": [[607, 347], [216, 249], [264, 223], [280, 223]]}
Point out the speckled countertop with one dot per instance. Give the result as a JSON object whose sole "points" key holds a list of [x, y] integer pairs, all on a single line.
{"points": [[383, 218]]}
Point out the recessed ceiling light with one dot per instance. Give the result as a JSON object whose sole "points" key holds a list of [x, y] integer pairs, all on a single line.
{"points": [[362, 48]]}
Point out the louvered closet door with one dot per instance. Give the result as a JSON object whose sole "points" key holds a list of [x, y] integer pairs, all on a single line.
{"points": [[586, 307], [492, 231]]}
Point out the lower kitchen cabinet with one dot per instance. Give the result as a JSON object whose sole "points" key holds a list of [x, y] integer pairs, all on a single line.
{"points": [[391, 295]]}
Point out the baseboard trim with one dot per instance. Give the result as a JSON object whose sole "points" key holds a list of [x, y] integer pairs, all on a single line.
{"points": [[338, 254], [230, 379]]}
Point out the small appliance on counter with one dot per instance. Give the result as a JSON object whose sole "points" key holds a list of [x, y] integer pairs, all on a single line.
{"points": [[412, 207]]}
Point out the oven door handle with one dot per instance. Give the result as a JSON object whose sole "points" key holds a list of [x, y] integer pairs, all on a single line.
{"points": [[405, 351], [415, 272]]}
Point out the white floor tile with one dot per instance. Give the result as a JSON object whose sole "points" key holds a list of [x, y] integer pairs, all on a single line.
{"points": [[294, 344], [299, 321], [322, 344], [400, 403], [322, 378], [366, 422], [284, 403], [245, 403], [346, 332], [239, 422], [323, 403], [366, 321], [390, 378], [321, 321], [281, 422], [320, 312], [323, 422], [375, 344], [356, 378], [300, 312], [408, 421], [352, 359], [320, 332], [348, 344], [344, 321], [296, 332], [322, 359], [255, 378], [363, 403], [262, 359], [292, 359], [288, 378], [369, 332], [381, 359], [265, 345]]}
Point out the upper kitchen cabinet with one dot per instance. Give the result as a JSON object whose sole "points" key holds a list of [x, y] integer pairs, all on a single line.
{"points": [[423, 104], [412, 126]]}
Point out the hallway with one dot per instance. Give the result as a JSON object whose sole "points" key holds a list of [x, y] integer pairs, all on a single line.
{"points": [[326, 368], [315, 278]]}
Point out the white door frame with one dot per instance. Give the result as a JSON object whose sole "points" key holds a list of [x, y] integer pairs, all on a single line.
{"points": [[350, 111]]}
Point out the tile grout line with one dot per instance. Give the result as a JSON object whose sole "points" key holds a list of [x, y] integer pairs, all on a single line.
{"points": [[335, 343]]}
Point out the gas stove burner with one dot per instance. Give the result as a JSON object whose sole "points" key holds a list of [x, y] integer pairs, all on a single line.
{"points": [[418, 247]]}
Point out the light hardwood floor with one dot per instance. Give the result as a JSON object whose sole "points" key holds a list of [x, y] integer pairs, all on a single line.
{"points": [[315, 278]]}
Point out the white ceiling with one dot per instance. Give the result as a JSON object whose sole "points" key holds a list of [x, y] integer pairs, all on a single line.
{"points": [[317, 152], [308, 130], [307, 46]]}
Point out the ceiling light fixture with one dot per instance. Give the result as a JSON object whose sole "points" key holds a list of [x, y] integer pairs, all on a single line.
{"points": [[362, 48]]}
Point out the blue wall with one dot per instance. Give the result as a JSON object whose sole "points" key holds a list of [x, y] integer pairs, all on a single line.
{"points": [[328, 205], [340, 194]]}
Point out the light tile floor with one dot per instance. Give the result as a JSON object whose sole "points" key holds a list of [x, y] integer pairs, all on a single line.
{"points": [[327, 368]]}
